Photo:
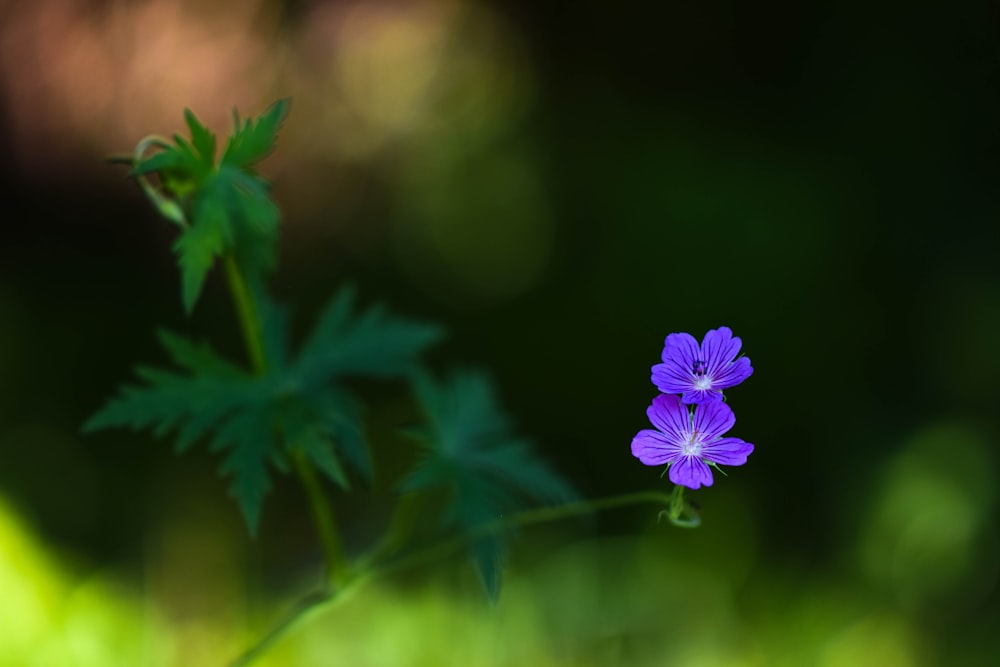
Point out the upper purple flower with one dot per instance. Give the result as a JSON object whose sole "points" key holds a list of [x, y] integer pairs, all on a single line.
{"points": [[689, 442], [700, 374]]}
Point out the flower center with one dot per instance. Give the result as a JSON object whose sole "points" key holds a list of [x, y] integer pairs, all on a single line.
{"points": [[703, 382], [701, 378], [693, 446]]}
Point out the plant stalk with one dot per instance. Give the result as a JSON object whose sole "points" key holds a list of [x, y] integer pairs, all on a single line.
{"points": [[337, 566], [313, 602]]}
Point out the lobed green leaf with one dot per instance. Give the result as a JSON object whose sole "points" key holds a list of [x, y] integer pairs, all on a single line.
{"points": [[201, 138], [371, 344], [257, 421], [223, 208], [255, 139], [470, 451], [209, 237], [248, 440]]}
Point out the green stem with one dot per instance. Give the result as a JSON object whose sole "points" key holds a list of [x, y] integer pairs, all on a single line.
{"points": [[525, 518], [305, 606], [246, 311], [337, 565], [681, 513], [326, 525], [313, 602]]}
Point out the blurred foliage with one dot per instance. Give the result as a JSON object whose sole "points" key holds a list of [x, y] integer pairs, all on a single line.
{"points": [[487, 471], [657, 596], [298, 406]]}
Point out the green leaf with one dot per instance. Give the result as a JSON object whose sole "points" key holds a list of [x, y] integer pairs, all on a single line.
{"points": [[209, 237], [198, 357], [471, 452], [255, 139], [192, 404], [257, 219], [222, 208], [274, 330], [248, 440], [202, 138], [490, 555], [318, 448], [256, 422], [214, 400], [304, 429], [371, 344], [341, 415]]}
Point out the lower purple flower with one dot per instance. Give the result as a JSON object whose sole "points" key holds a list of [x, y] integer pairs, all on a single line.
{"points": [[688, 443]]}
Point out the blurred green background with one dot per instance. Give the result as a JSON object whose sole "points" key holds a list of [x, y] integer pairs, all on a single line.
{"points": [[561, 184]]}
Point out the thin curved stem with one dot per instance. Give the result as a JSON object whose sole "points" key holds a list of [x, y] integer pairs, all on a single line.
{"points": [[525, 518], [313, 602], [309, 603], [681, 513], [165, 206]]}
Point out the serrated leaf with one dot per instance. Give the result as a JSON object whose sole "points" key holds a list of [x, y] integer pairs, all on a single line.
{"points": [[222, 208], [249, 200], [191, 404], [214, 400], [490, 555], [202, 139], [253, 140], [198, 246], [259, 219], [464, 414], [248, 440], [318, 449], [197, 357], [305, 430], [470, 450], [372, 344], [341, 414], [256, 422]]}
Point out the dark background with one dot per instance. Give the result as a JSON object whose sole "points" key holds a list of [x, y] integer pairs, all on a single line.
{"points": [[820, 179]]}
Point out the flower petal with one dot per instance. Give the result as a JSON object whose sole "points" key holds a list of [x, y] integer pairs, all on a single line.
{"points": [[668, 414], [712, 419], [653, 448], [727, 451], [733, 374], [681, 349], [719, 348], [695, 396], [671, 378], [690, 471]]}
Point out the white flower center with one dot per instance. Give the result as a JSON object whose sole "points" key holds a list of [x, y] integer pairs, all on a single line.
{"points": [[703, 382], [693, 446]]}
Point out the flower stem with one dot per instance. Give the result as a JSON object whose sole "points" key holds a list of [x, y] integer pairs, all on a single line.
{"points": [[681, 513], [525, 518], [354, 581], [326, 525]]}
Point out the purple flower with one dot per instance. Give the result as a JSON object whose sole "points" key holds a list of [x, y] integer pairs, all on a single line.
{"points": [[689, 442], [700, 374]]}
